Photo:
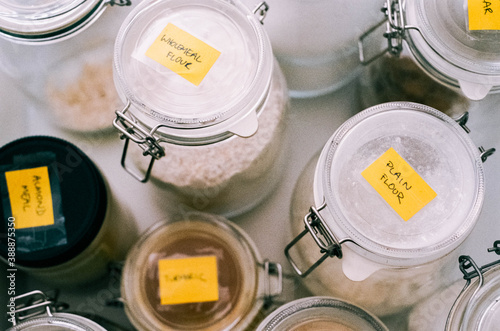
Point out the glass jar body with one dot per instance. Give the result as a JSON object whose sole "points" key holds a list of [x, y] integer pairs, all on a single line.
{"points": [[240, 282], [315, 41], [231, 176], [68, 80], [387, 291]]}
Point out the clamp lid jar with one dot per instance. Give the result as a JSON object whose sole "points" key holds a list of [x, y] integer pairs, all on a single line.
{"points": [[448, 42], [396, 188], [477, 307], [197, 272], [321, 313]]}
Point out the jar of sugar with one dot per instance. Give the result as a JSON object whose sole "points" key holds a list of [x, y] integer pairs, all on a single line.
{"points": [[321, 313], [455, 43], [197, 271], [59, 54], [204, 102], [393, 193], [470, 303], [316, 41]]}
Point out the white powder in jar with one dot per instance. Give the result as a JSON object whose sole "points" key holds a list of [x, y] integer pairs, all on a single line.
{"points": [[233, 175], [89, 102]]}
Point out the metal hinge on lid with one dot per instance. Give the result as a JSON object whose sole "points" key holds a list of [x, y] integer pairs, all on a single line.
{"points": [[485, 153]]}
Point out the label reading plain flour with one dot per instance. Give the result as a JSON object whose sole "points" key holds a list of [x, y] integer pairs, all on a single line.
{"points": [[184, 54], [188, 280], [398, 184]]}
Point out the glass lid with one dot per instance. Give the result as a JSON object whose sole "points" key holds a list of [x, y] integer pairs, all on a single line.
{"points": [[402, 180], [320, 313], [58, 322], [192, 63], [455, 42], [45, 20]]}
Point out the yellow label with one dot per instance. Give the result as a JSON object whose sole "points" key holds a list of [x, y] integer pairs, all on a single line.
{"points": [[188, 280], [183, 53], [484, 14], [30, 197], [399, 184]]}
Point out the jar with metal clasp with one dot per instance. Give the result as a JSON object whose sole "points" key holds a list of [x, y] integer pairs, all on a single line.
{"points": [[205, 102], [464, 305], [444, 54], [58, 215], [393, 193], [321, 313], [59, 55], [315, 41], [197, 271], [35, 313]]}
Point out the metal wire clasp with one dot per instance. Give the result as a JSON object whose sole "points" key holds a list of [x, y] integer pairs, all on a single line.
{"points": [[34, 303], [261, 9], [329, 245], [485, 153], [131, 130]]}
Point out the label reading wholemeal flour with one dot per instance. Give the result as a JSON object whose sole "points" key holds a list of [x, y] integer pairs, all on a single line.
{"points": [[30, 197], [398, 184], [183, 53], [484, 14], [188, 280]]}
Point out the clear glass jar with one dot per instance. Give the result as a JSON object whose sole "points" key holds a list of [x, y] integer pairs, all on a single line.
{"points": [[439, 37], [243, 283], [41, 317], [315, 41], [61, 223], [372, 207], [217, 132], [465, 305], [321, 313], [59, 54]]}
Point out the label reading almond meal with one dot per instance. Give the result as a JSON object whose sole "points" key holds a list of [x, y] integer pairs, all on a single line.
{"points": [[183, 53], [484, 14], [188, 280], [398, 184], [30, 197]]}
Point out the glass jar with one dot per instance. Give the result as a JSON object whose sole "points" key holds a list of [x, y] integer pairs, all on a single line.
{"points": [[321, 313], [476, 306], [38, 316], [57, 212], [217, 132], [394, 192], [444, 43], [59, 53], [197, 272], [315, 41]]}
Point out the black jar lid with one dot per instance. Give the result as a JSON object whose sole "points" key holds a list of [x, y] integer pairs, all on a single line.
{"points": [[83, 199]]}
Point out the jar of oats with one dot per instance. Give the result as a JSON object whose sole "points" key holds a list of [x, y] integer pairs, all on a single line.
{"points": [[455, 43], [197, 271], [59, 54], [205, 102], [393, 193]]}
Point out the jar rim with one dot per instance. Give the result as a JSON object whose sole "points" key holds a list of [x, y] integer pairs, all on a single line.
{"points": [[179, 110], [332, 308], [64, 320], [376, 228], [441, 42], [201, 224], [48, 22]]}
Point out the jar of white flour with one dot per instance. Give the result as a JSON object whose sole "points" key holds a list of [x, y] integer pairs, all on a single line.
{"points": [[204, 101], [394, 192]]}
